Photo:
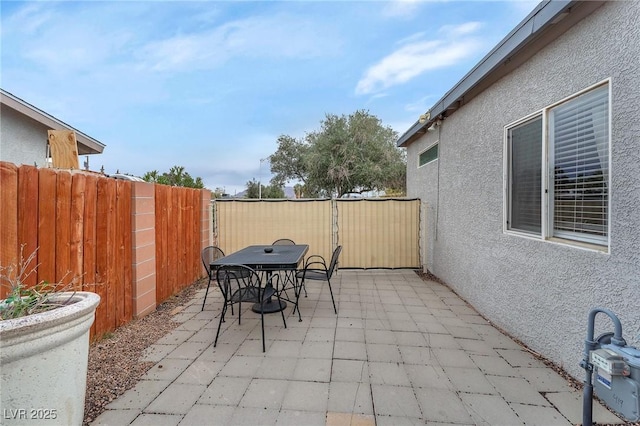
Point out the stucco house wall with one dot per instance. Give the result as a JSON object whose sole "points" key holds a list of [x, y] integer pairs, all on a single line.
{"points": [[539, 291], [24, 140]]}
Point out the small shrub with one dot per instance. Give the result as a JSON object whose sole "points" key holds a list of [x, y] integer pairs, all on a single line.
{"points": [[22, 300]]}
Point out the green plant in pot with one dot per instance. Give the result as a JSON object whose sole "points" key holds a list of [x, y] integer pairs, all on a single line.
{"points": [[44, 341]]}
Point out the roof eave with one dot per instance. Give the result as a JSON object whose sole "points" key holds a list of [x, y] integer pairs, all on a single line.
{"points": [[519, 45], [87, 144]]}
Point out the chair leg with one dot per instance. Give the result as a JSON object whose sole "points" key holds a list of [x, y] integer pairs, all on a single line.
{"points": [[297, 289], [332, 299], [205, 294], [281, 310], [224, 310], [264, 346]]}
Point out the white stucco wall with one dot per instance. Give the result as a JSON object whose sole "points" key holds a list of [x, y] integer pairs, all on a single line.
{"points": [[22, 139], [540, 292], [427, 181]]}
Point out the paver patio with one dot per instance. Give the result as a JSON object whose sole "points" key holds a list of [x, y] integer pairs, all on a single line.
{"points": [[401, 351]]}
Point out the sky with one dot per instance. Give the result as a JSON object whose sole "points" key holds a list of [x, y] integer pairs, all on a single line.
{"points": [[211, 85]]}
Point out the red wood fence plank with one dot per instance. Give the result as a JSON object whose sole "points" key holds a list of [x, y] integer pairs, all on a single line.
{"points": [[102, 258], [170, 266], [180, 240], [28, 219], [63, 227], [76, 236], [196, 222], [9, 252], [123, 255], [188, 236], [47, 225], [89, 240], [111, 278], [162, 237]]}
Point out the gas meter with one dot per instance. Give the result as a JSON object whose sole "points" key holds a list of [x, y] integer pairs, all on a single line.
{"points": [[613, 371]]}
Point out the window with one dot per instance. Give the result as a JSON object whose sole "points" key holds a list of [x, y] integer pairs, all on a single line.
{"points": [[557, 168], [526, 168], [428, 155]]}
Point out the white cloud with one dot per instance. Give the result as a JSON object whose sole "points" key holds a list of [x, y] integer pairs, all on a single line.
{"points": [[256, 37], [401, 8], [70, 36], [451, 31], [61, 44], [29, 19], [419, 56], [180, 53]]}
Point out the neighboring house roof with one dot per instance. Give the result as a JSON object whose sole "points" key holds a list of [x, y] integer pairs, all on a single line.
{"points": [[86, 144], [547, 21]]}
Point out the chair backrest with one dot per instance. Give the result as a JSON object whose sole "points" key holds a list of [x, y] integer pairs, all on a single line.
{"points": [[240, 280], [283, 242], [334, 261], [209, 254]]}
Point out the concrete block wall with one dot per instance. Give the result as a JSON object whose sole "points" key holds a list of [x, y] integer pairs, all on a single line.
{"points": [[144, 248]]}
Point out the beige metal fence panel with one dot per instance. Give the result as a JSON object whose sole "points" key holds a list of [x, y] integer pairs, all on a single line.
{"points": [[240, 223], [374, 233], [379, 233]]}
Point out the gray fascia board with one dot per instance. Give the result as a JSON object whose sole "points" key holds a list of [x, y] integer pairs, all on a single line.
{"points": [[529, 28], [92, 145]]}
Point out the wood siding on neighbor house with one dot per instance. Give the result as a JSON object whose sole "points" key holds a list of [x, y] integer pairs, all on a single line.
{"points": [[374, 233], [133, 243]]}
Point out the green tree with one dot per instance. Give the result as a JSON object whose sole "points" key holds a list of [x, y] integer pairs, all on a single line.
{"points": [[270, 191], [349, 154], [176, 176], [218, 193], [253, 189], [289, 161]]}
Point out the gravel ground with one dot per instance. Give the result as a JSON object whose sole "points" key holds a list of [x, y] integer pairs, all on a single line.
{"points": [[114, 362]]}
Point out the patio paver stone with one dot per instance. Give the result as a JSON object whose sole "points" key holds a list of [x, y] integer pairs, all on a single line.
{"points": [[400, 351]]}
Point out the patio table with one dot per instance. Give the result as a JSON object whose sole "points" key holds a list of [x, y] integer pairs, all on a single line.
{"points": [[280, 258]]}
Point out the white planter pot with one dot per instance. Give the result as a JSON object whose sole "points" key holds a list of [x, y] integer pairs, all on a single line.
{"points": [[43, 364]]}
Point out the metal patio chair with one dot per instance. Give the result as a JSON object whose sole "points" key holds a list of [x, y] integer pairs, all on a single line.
{"points": [[238, 284], [208, 255], [316, 268], [289, 277]]}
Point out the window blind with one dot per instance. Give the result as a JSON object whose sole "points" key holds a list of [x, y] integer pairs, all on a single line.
{"points": [[579, 131]]}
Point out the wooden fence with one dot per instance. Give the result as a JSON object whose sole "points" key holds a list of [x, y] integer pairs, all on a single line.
{"points": [[86, 231], [178, 244]]}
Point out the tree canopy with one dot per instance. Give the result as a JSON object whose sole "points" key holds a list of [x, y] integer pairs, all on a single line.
{"points": [[176, 176], [270, 191], [348, 154]]}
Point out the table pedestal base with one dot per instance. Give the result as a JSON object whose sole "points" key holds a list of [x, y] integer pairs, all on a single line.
{"points": [[270, 306]]}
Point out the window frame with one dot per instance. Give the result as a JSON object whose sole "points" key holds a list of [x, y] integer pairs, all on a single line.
{"points": [[547, 178], [431, 146], [509, 175]]}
